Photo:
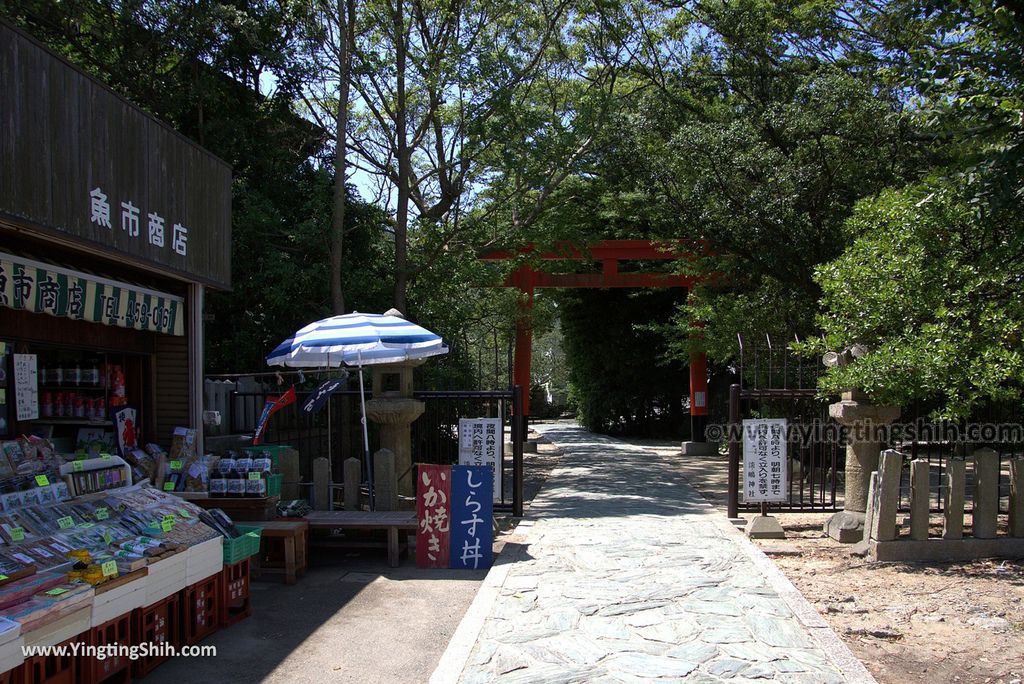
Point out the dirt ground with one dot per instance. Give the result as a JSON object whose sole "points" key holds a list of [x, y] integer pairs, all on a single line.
{"points": [[907, 622]]}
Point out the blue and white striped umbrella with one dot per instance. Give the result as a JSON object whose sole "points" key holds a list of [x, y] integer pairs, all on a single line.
{"points": [[356, 339]]}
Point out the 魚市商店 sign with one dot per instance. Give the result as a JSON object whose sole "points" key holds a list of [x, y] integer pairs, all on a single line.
{"points": [[42, 288], [765, 464]]}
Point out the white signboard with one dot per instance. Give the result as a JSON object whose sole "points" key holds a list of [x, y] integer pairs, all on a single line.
{"points": [[481, 441], [26, 387], [765, 468]]}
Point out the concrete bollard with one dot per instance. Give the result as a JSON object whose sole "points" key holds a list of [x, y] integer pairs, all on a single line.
{"points": [[889, 468], [986, 493], [321, 484], [385, 481], [953, 515], [872, 508], [919, 499], [1017, 497], [353, 477]]}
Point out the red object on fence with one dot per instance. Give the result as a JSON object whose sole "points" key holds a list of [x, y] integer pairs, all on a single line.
{"points": [[202, 609], [235, 602], [115, 667], [433, 515]]}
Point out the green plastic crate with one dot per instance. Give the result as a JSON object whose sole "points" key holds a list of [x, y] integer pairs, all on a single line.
{"points": [[245, 545]]}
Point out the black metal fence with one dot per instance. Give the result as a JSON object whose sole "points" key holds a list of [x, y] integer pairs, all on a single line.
{"points": [[773, 382], [335, 432]]}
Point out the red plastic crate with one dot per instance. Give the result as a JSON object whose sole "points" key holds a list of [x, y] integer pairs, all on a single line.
{"points": [[202, 609], [159, 623], [235, 601], [52, 669], [114, 669]]}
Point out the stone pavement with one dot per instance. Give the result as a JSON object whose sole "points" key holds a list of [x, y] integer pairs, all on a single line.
{"points": [[621, 572]]}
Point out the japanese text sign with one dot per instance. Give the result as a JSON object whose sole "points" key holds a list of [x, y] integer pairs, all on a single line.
{"points": [[481, 443], [454, 512], [765, 465]]}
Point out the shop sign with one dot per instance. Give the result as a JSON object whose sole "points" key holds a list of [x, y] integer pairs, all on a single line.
{"points": [[765, 471], [78, 161], [41, 288], [481, 443], [454, 515]]}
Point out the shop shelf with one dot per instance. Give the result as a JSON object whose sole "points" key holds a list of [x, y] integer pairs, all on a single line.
{"points": [[159, 623], [240, 548], [202, 609], [235, 601], [72, 421], [113, 668]]}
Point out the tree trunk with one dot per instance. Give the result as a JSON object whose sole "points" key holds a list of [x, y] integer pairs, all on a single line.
{"points": [[404, 162], [340, 164]]}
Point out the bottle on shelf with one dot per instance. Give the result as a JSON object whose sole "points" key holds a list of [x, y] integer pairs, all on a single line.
{"points": [[233, 479], [218, 481], [256, 482], [56, 375]]}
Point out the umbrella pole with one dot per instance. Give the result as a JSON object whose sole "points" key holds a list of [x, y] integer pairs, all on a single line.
{"points": [[366, 437]]}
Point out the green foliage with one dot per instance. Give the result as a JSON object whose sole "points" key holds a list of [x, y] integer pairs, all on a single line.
{"points": [[617, 385], [932, 286]]}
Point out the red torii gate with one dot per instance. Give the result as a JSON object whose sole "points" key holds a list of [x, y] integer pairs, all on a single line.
{"points": [[608, 253]]}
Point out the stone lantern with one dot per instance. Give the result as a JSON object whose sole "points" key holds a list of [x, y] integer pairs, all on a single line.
{"points": [[394, 410], [862, 420]]}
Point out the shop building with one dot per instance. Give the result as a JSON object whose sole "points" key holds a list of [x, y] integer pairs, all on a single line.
{"points": [[112, 228]]}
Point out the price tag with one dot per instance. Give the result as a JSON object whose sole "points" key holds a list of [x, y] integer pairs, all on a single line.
{"points": [[109, 568], [77, 466], [107, 537], [42, 481], [87, 525], [3, 577], [17, 534], [183, 513], [175, 465], [254, 476], [102, 513], [56, 591], [168, 486], [65, 522], [166, 525], [105, 456], [170, 516]]}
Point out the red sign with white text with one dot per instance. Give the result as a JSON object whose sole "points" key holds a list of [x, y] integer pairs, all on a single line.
{"points": [[433, 515]]}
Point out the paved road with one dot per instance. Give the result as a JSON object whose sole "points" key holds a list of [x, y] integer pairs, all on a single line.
{"points": [[623, 573]]}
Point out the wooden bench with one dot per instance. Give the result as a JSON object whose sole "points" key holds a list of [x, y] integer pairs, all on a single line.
{"points": [[293, 537], [391, 521]]}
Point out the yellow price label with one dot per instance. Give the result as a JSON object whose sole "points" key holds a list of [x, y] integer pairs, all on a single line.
{"points": [[77, 466], [109, 568], [168, 486], [17, 534], [57, 591], [3, 577], [183, 513], [254, 476], [107, 537], [102, 513], [65, 522], [166, 525], [42, 481], [105, 456]]}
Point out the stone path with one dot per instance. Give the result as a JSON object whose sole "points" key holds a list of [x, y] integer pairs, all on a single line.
{"points": [[621, 572]]}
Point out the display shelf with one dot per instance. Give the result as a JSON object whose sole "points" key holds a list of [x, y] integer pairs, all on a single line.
{"points": [[71, 421]]}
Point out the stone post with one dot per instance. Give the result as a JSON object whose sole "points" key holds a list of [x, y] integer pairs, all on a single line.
{"points": [[986, 493], [385, 480], [1017, 497], [953, 516], [919, 499], [861, 420], [289, 464], [352, 473], [321, 484], [884, 526]]}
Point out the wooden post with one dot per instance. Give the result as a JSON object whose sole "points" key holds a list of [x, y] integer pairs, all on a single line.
{"points": [[884, 526], [353, 478], [872, 510], [986, 493], [919, 503], [953, 516], [1017, 497], [321, 484]]}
